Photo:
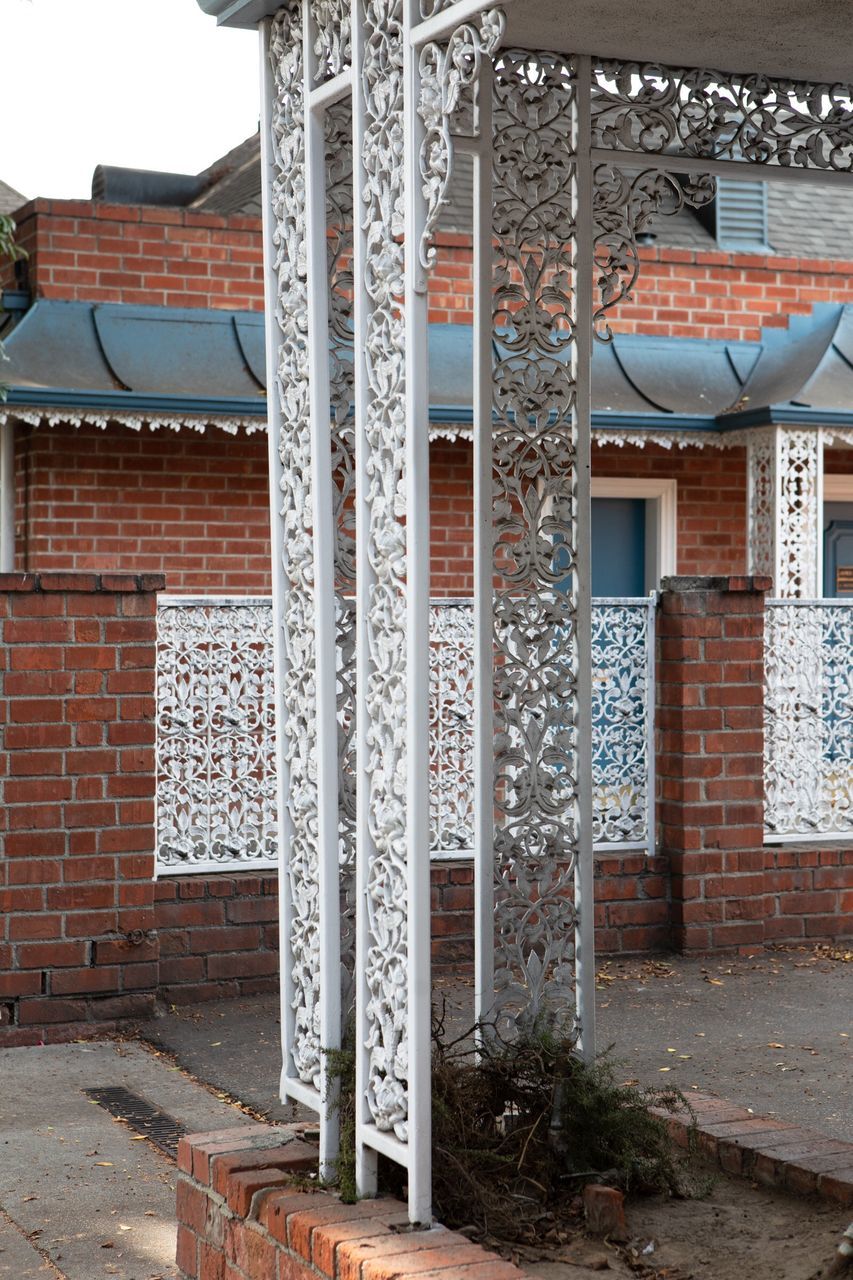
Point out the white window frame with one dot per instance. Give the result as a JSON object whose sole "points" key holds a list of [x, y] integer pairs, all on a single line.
{"points": [[661, 530]]}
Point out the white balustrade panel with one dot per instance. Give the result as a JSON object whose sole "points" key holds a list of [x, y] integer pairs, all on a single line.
{"points": [[808, 725], [216, 783], [216, 769]]}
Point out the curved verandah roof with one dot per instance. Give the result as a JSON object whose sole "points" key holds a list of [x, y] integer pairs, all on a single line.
{"points": [[172, 363]]}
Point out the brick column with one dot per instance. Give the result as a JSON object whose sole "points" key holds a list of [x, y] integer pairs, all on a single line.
{"points": [[77, 938], [710, 716]]}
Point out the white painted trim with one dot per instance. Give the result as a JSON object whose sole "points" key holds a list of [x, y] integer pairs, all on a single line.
{"points": [[662, 561]]}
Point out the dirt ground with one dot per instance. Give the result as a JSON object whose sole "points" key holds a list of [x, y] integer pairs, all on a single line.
{"points": [[736, 1232]]}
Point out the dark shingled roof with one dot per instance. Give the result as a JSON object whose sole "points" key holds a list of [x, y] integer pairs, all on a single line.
{"points": [[10, 199], [804, 221]]}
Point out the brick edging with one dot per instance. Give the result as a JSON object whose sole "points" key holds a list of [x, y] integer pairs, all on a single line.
{"points": [[772, 1152], [240, 1214]]}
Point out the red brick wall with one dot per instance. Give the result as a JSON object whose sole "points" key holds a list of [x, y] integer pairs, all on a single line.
{"points": [[175, 257], [159, 257], [218, 935], [77, 784], [192, 507], [710, 722]]}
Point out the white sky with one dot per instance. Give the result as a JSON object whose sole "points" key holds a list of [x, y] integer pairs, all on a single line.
{"points": [[152, 84]]}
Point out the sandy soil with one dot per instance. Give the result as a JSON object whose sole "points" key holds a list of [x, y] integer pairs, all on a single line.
{"points": [[737, 1232]]}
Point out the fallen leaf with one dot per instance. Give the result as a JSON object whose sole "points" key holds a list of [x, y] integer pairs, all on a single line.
{"points": [[774, 1044], [104, 1164]]}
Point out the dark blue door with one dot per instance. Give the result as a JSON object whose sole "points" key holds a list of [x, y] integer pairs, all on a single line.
{"points": [[618, 547], [838, 549]]}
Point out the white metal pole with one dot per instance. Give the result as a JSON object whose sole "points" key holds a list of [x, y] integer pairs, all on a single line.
{"points": [[417, 645], [582, 362], [365, 1156], [7, 497], [325, 673], [484, 729], [274, 426]]}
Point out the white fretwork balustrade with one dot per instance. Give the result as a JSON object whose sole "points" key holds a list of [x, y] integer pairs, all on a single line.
{"points": [[216, 766], [808, 727]]}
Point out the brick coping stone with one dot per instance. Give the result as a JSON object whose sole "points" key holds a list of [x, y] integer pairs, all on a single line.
{"points": [[245, 1214], [771, 1152]]}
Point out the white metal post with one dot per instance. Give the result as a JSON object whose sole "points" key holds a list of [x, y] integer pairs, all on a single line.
{"points": [[7, 496], [581, 368], [365, 1157], [417, 642], [325, 676], [274, 428]]}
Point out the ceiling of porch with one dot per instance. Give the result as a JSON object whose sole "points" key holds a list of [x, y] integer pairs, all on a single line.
{"points": [[798, 38]]}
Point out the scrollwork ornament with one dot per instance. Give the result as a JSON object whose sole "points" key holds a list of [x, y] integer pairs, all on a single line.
{"points": [[386, 964], [534, 512], [447, 71], [339, 250], [624, 205], [715, 115], [332, 38], [298, 713]]}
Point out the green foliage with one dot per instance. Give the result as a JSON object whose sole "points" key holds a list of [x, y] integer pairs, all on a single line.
{"points": [[340, 1066], [518, 1130]]}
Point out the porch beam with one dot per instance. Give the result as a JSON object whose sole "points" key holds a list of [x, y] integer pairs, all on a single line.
{"points": [[739, 170]]}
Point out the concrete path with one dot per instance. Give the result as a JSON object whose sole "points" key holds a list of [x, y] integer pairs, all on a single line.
{"points": [[76, 1189], [772, 1033]]}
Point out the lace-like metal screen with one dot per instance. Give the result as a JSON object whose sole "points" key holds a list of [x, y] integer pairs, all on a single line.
{"points": [[216, 781], [808, 727]]}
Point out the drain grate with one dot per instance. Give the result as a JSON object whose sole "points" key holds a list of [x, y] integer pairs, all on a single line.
{"points": [[157, 1126]]}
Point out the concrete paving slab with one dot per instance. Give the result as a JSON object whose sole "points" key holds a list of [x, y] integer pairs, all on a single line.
{"points": [[99, 1201], [19, 1260], [772, 1032]]}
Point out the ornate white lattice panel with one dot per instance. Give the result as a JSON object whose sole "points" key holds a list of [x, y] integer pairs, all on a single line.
{"points": [[799, 534], [761, 508], [808, 725], [623, 699], [216, 767], [295, 503], [535, 484], [451, 729]]}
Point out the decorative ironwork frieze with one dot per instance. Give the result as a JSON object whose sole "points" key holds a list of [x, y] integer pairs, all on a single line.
{"points": [[624, 205], [713, 115]]}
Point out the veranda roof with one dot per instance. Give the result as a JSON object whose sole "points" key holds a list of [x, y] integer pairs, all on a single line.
{"points": [[121, 359]]}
